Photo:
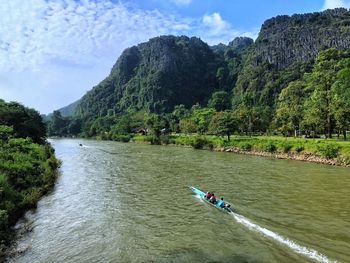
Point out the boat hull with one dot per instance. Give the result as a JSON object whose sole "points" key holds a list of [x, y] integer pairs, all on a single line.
{"points": [[201, 194]]}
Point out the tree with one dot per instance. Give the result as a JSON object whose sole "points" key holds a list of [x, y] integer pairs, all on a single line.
{"points": [[6, 132], [26, 122], [340, 104], [187, 126], [179, 112], [156, 123], [58, 124], [122, 127], [319, 83], [74, 126], [314, 121], [201, 117], [220, 101], [289, 112], [223, 123]]}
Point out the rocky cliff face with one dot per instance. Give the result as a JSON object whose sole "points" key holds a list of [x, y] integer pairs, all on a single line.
{"points": [[167, 71], [155, 76], [284, 40]]}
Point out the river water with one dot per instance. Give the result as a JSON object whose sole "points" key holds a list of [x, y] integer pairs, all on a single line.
{"points": [[116, 202]]}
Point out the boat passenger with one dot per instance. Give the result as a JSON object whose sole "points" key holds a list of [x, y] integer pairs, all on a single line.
{"points": [[209, 195], [221, 203], [212, 199]]}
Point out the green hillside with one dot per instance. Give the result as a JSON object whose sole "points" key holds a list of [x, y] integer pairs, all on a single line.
{"points": [[293, 80]]}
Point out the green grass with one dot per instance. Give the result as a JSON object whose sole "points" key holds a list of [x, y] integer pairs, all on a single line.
{"points": [[323, 147]]}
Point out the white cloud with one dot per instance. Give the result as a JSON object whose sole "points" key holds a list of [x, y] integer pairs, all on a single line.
{"points": [[331, 4], [215, 24], [75, 32], [214, 29], [52, 52], [182, 2]]}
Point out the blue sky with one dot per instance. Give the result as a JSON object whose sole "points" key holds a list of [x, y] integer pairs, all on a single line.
{"points": [[53, 51]]}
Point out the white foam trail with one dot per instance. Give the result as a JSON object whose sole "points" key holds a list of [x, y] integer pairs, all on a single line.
{"points": [[308, 252]]}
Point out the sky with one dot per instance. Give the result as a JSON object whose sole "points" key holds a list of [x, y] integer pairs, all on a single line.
{"points": [[53, 51]]}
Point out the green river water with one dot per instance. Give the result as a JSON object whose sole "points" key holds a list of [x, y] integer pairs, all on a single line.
{"points": [[116, 202]]}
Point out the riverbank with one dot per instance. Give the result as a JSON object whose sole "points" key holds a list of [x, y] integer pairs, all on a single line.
{"points": [[331, 151], [28, 171]]}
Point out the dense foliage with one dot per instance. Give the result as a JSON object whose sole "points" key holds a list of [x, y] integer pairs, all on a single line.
{"points": [[27, 164], [293, 80], [313, 104], [25, 122]]}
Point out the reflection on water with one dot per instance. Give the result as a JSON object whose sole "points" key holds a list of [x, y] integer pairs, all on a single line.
{"points": [[117, 202]]}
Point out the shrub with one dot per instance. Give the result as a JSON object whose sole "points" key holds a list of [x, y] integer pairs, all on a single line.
{"points": [[246, 146], [299, 148], [329, 150], [199, 142], [121, 138], [270, 147], [154, 140], [287, 147], [165, 139]]}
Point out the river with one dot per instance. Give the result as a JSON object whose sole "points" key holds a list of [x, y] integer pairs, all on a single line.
{"points": [[116, 202]]}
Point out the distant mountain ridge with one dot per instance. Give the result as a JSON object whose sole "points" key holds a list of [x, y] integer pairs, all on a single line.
{"points": [[167, 71], [69, 110]]}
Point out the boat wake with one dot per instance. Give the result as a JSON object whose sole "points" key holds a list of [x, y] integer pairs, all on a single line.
{"points": [[308, 252]]}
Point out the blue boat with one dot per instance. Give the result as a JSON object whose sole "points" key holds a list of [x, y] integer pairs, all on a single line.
{"points": [[201, 194]]}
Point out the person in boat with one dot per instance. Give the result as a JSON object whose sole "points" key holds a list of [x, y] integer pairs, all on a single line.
{"points": [[212, 199], [208, 195], [221, 203]]}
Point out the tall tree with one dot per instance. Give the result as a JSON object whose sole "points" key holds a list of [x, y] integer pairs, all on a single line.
{"points": [[319, 84], [220, 101], [26, 122], [223, 123], [289, 112], [340, 105]]}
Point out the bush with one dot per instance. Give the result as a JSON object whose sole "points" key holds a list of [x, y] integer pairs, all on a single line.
{"points": [[329, 150], [287, 147], [299, 148], [246, 146], [270, 147], [27, 171], [154, 140], [165, 139], [199, 142], [121, 138]]}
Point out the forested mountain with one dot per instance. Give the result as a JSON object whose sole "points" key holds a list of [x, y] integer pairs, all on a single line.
{"points": [[155, 76], [285, 50], [69, 110], [171, 74]]}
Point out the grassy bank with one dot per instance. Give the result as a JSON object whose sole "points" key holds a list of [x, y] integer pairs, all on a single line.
{"points": [[330, 150], [27, 172]]}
